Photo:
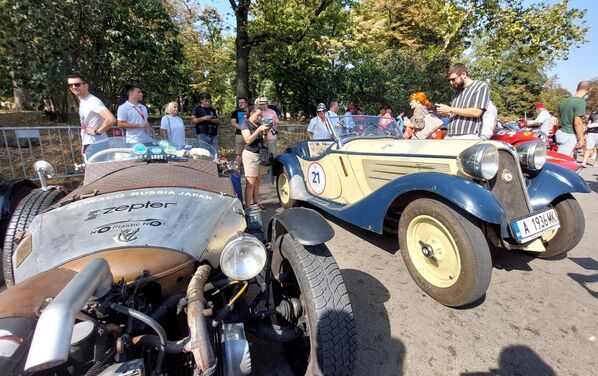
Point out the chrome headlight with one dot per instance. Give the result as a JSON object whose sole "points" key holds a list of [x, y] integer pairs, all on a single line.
{"points": [[479, 161], [243, 257], [532, 155]]}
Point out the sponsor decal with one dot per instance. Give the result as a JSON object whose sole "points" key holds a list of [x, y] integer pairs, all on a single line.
{"points": [[316, 178], [109, 197], [128, 208], [128, 224], [126, 236]]}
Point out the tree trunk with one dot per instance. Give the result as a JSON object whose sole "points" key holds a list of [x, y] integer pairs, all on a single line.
{"points": [[20, 97], [242, 48]]}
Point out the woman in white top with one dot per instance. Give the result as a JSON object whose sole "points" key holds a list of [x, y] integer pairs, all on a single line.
{"points": [[171, 126]]}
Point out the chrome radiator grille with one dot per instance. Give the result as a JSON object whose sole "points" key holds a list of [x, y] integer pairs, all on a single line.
{"points": [[508, 186]]}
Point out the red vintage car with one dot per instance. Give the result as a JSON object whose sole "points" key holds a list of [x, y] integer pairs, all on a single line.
{"points": [[510, 133]]}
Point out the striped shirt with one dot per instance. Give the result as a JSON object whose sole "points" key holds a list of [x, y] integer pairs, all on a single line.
{"points": [[476, 95]]}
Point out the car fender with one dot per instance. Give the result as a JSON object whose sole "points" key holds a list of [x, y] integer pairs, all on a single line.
{"points": [[296, 179], [369, 212], [306, 226], [551, 182]]}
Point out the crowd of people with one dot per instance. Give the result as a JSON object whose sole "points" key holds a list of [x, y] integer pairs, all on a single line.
{"points": [[470, 115]]}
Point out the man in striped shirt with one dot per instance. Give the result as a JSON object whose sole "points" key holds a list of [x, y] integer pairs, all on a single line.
{"points": [[469, 102]]}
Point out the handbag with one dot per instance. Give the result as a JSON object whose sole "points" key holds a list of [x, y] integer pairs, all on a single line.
{"points": [[266, 158], [432, 123]]}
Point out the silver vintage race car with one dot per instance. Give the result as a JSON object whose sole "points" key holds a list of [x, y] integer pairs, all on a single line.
{"points": [[153, 266]]}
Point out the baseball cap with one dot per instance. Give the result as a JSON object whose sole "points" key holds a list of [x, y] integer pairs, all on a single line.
{"points": [[321, 107], [261, 100], [539, 105]]}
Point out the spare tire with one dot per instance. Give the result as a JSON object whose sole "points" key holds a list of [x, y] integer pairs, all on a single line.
{"points": [[33, 204]]}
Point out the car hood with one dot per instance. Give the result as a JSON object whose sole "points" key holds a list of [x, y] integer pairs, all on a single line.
{"points": [[184, 220]]}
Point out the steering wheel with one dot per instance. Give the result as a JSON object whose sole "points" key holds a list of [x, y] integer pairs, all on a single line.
{"points": [[102, 153]]}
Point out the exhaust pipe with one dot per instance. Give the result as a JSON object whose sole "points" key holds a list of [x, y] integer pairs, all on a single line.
{"points": [[52, 337], [199, 344]]}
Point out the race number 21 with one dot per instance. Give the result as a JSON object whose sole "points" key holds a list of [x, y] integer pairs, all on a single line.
{"points": [[316, 178]]}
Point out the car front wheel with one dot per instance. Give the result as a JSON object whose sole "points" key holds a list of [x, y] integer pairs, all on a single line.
{"points": [[566, 237], [309, 278], [445, 252]]}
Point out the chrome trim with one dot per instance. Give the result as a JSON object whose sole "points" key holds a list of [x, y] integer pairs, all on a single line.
{"points": [[52, 338]]}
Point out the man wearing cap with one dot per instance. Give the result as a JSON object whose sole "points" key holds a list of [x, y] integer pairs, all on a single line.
{"points": [[349, 123], [544, 120], [262, 103], [319, 127]]}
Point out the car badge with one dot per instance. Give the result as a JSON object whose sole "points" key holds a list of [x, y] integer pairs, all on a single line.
{"points": [[128, 235], [506, 176]]}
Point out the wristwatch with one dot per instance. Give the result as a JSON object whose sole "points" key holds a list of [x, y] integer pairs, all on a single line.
{"points": [[95, 131]]}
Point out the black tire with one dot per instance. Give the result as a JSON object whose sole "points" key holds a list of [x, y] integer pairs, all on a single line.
{"points": [[283, 189], [457, 268], [310, 275], [571, 231], [33, 204]]}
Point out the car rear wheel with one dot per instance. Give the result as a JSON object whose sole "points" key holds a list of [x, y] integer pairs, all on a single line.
{"points": [[566, 237], [445, 252], [309, 278], [33, 204], [283, 189]]}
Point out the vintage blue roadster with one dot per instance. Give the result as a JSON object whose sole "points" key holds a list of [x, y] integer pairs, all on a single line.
{"points": [[449, 200]]}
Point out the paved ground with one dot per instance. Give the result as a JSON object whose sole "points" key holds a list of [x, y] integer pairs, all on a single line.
{"points": [[539, 317]]}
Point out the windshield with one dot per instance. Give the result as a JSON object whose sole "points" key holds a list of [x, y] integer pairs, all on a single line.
{"points": [[364, 126], [116, 149]]}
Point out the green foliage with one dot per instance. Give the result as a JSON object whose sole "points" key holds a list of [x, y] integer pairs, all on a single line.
{"points": [[111, 43]]}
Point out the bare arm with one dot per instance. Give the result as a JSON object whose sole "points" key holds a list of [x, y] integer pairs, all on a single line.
{"points": [[465, 112], [249, 137], [164, 133], [109, 121], [309, 135], [578, 124]]}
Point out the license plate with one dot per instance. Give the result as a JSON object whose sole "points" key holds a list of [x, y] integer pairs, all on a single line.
{"points": [[531, 227]]}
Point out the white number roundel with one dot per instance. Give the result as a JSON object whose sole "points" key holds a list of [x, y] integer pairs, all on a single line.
{"points": [[316, 178]]}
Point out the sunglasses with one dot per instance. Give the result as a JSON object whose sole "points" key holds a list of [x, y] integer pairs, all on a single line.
{"points": [[77, 84]]}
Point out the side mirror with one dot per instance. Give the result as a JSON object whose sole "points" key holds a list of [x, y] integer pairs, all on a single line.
{"points": [[44, 170]]}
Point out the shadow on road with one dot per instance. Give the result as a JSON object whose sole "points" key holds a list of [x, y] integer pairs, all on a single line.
{"points": [[378, 352], [510, 260], [515, 361], [387, 242], [593, 184]]}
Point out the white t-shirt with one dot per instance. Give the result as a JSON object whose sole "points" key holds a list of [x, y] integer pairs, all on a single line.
{"points": [[489, 120], [134, 114], [89, 116], [546, 120], [349, 123], [319, 129], [175, 128]]}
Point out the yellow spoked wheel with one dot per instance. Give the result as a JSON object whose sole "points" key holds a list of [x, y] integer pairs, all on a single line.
{"points": [[433, 251], [445, 252], [283, 189]]}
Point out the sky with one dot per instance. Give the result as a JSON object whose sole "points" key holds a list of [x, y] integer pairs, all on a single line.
{"points": [[581, 64]]}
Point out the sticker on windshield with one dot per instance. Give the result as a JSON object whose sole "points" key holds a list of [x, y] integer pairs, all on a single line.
{"points": [[316, 178]]}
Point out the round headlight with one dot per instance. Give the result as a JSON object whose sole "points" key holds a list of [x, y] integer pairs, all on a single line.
{"points": [[479, 161], [243, 257], [532, 155]]}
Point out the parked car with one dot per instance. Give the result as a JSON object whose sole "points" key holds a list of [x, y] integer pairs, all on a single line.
{"points": [[153, 266], [447, 200]]}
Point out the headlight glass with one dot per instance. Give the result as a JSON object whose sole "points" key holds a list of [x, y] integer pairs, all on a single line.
{"points": [[243, 257], [532, 155], [479, 161]]}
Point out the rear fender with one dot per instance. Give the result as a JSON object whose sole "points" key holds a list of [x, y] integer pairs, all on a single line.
{"points": [[291, 163], [551, 182]]}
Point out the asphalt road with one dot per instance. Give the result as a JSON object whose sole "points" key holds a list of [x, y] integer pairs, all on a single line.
{"points": [[539, 317]]}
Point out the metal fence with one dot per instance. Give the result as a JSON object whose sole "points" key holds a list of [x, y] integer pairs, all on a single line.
{"points": [[61, 146]]}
